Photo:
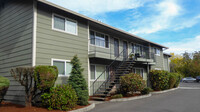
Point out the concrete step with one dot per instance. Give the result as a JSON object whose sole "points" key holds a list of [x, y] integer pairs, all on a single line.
{"points": [[98, 98]]}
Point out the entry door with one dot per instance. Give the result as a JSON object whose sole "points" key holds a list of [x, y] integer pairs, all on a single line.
{"points": [[125, 48], [116, 47]]}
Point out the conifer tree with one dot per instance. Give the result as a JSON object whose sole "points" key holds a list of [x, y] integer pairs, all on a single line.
{"points": [[78, 82]]}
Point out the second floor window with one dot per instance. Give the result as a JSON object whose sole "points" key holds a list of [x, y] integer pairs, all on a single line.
{"points": [[157, 51], [64, 24], [136, 48], [99, 39]]}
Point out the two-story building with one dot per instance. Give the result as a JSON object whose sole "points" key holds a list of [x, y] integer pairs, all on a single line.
{"points": [[37, 32]]}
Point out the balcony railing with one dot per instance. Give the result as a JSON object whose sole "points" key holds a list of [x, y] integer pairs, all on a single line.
{"points": [[108, 50]]}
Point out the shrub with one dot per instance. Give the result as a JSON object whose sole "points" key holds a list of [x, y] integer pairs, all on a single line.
{"points": [[178, 79], [4, 84], [45, 76], [131, 83], [78, 82], [172, 80], [146, 90], [159, 79], [117, 96], [24, 75], [60, 97]]}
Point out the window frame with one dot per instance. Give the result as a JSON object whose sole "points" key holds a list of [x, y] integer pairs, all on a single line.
{"points": [[140, 71], [104, 38], [95, 77], [61, 60], [66, 19]]}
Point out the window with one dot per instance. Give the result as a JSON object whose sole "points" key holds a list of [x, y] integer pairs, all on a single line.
{"points": [[59, 23], [64, 24], [136, 48], [97, 70], [99, 39], [64, 67], [139, 71], [157, 51]]}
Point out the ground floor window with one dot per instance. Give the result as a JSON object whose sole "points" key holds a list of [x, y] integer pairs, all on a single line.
{"points": [[98, 71], [64, 66], [139, 71]]}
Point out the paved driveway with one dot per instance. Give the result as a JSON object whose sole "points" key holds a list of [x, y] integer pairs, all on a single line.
{"points": [[185, 99]]}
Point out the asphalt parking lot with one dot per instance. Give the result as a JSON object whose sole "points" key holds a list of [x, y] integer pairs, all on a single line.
{"points": [[184, 99]]}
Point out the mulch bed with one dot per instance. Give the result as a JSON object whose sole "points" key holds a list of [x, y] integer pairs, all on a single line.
{"points": [[10, 107]]}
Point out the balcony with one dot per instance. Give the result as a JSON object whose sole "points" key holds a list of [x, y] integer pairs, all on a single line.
{"points": [[109, 50]]}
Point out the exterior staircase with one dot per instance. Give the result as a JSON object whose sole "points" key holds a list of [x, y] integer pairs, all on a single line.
{"points": [[113, 80]]}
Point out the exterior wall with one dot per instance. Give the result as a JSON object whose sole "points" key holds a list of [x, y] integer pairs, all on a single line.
{"points": [[16, 30], [166, 63], [108, 53], [59, 45], [159, 61]]}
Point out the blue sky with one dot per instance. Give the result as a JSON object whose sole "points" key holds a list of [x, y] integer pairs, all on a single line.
{"points": [[173, 23]]}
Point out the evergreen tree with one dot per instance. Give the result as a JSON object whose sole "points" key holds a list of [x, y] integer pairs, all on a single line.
{"points": [[78, 82]]}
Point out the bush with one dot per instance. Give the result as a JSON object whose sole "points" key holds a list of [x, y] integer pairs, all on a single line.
{"points": [[45, 76], [117, 96], [60, 97], [146, 90], [24, 75], [172, 80], [131, 83], [4, 84], [78, 82], [178, 79], [159, 80]]}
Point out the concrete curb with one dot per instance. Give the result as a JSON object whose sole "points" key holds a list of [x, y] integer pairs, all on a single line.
{"points": [[160, 92], [131, 98], [91, 106]]}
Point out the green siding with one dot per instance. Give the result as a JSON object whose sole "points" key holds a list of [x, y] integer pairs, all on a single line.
{"points": [[16, 26], [59, 45], [159, 61], [166, 63]]}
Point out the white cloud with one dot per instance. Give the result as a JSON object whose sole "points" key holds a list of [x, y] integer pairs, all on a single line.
{"points": [[189, 45], [164, 13], [94, 7], [186, 23]]}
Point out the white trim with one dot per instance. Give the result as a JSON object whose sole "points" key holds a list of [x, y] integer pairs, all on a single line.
{"points": [[66, 19], [61, 60], [34, 33], [157, 68], [88, 58]]}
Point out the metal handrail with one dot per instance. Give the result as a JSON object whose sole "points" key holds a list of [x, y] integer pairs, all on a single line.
{"points": [[105, 70], [125, 59]]}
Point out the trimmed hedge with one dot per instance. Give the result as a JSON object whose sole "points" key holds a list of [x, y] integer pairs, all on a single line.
{"points": [[159, 80], [172, 80], [60, 97], [45, 76], [4, 85], [162, 80], [146, 90], [178, 79], [131, 83]]}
